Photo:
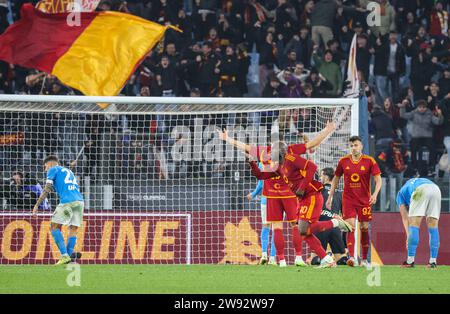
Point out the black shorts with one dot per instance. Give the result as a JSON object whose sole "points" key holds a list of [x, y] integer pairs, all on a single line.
{"points": [[334, 238]]}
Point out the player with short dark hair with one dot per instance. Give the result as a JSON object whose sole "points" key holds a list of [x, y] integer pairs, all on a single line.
{"points": [[357, 199], [70, 209], [333, 237]]}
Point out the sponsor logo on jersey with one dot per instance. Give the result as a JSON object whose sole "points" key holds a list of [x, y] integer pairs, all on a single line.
{"points": [[354, 177]]}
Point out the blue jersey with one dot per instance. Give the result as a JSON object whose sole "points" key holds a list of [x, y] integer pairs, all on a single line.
{"points": [[405, 193], [65, 184], [259, 188]]}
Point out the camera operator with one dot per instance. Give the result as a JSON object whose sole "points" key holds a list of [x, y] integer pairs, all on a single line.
{"points": [[24, 192]]}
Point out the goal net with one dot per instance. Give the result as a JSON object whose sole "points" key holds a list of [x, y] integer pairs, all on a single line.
{"points": [[159, 185]]}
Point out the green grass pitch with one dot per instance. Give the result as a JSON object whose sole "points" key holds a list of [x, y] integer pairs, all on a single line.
{"points": [[223, 279]]}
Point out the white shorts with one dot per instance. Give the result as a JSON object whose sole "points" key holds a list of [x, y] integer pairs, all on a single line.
{"points": [[70, 214], [426, 201], [264, 214]]}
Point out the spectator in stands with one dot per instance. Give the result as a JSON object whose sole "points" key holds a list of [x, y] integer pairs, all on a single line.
{"points": [[319, 83], [393, 161], [308, 90], [423, 68], [322, 21], [166, 78], [444, 83], [293, 89], [305, 14], [291, 60], [285, 18], [272, 89], [408, 26], [267, 58], [387, 18], [390, 109], [438, 21], [389, 66], [383, 125], [228, 71], [330, 71], [205, 70], [172, 53], [302, 45], [227, 33], [285, 75], [244, 64], [422, 121], [433, 95], [339, 57], [300, 73], [213, 38], [445, 108]]}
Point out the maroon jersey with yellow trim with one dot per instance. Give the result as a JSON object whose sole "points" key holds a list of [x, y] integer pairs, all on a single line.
{"points": [[299, 173], [263, 152], [357, 179], [276, 187]]}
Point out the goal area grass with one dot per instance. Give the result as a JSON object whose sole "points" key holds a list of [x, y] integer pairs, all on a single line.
{"points": [[222, 279]]}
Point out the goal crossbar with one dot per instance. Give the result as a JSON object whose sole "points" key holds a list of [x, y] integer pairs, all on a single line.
{"points": [[171, 105]]}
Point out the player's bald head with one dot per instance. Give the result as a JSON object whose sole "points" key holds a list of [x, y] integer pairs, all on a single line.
{"points": [[278, 151]]}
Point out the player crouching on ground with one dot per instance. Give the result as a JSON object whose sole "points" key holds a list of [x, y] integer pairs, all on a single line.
{"points": [[423, 199], [70, 209], [332, 237], [357, 198], [298, 173]]}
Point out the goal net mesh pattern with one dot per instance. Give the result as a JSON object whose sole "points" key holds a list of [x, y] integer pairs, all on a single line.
{"points": [[159, 185]]}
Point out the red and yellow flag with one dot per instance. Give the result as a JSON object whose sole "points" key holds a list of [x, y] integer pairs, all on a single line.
{"points": [[97, 57]]}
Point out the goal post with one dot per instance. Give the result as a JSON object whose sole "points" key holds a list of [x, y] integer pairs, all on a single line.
{"points": [[159, 185]]}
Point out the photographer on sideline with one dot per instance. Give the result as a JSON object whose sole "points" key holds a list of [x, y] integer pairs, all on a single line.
{"points": [[24, 192]]}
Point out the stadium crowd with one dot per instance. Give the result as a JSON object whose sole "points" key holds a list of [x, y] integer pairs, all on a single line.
{"points": [[295, 48]]}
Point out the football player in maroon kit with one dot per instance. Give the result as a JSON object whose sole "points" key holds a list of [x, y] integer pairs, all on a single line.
{"points": [[298, 173], [280, 198], [357, 199]]}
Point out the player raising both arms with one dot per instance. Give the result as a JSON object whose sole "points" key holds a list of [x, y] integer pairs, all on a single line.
{"points": [[299, 149], [357, 198], [280, 199], [299, 174], [70, 209]]}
